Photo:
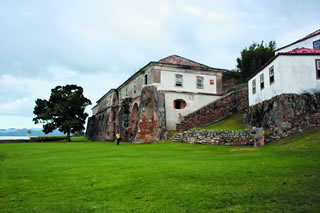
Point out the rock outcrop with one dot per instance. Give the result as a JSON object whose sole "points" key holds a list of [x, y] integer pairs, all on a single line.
{"points": [[286, 114]]}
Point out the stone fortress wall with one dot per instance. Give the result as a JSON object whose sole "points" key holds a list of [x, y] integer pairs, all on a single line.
{"points": [[234, 101]]}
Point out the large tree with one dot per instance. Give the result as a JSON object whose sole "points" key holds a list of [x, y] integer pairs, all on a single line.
{"points": [[64, 110], [254, 57]]}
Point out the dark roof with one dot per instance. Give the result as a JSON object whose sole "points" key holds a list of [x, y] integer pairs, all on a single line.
{"points": [[317, 32], [295, 52]]}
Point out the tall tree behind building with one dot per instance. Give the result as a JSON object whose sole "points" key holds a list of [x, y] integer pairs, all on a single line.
{"points": [[254, 57]]}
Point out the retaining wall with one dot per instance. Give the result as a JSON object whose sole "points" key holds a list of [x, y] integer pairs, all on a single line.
{"points": [[235, 101], [225, 137], [286, 114]]}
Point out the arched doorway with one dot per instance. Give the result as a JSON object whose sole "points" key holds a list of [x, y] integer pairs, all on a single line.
{"points": [[134, 116]]}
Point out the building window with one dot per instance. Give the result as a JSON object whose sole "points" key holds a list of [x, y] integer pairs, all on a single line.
{"points": [[318, 68], [134, 89], [316, 45], [145, 79], [271, 74], [254, 87], [200, 82], [127, 91], [261, 81], [179, 104], [179, 80]]}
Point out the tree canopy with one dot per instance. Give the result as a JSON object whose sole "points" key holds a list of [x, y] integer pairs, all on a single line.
{"points": [[254, 57], [64, 110]]}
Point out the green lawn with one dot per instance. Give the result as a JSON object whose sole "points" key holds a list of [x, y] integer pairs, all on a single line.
{"points": [[163, 177], [233, 123]]}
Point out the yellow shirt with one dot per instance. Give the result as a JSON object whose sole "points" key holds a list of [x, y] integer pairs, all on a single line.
{"points": [[117, 136]]}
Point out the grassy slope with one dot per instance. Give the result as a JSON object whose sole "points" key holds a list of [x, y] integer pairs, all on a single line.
{"points": [[168, 177], [233, 123]]}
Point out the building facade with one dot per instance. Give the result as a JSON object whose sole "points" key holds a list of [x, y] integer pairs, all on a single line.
{"points": [[294, 69], [154, 100]]}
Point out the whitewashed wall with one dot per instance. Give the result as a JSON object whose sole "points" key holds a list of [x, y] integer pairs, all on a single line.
{"points": [[194, 97], [193, 102], [308, 43], [168, 81], [292, 74]]}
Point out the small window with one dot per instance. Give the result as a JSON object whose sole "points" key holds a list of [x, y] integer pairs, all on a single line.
{"points": [[316, 45], [179, 80], [254, 87], [271, 74], [127, 91], [134, 89], [318, 68], [179, 104], [145, 79], [261, 81], [200, 82]]}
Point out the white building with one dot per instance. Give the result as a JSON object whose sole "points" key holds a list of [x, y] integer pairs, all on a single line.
{"points": [[186, 85], [294, 69]]}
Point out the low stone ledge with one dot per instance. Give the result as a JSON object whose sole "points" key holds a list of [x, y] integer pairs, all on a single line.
{"points": [[254, 137]]}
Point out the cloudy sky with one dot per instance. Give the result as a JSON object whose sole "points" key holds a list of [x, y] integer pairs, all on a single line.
{"points": [[98, 44]]}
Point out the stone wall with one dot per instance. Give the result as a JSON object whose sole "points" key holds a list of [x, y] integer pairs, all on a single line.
{"points": [[151, 122], [225, 137], [124, 117], [235, 101], [148, 126], [102, 126], [286, 114]]}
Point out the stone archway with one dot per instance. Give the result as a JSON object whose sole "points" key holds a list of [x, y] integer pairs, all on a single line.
{"points": [[134, 116]]}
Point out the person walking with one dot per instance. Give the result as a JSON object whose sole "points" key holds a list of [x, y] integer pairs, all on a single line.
{"points": [[131, 137], [118, 138]]}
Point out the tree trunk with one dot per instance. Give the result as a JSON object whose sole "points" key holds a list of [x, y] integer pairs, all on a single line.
{"points": [[68, 136]]}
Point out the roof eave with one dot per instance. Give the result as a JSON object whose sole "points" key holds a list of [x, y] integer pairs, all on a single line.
{"points": [[302, 39], [276, 56]]}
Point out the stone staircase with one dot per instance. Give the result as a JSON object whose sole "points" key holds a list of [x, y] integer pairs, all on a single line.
{"points": [[177, 137]]}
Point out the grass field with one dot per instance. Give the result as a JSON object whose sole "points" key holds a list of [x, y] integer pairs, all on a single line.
{"points": [[163, 177]]}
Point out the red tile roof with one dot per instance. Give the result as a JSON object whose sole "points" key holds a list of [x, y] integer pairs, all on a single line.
{"points": [[302, 51]]}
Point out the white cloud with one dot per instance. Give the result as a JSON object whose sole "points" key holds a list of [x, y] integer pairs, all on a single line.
{"points": [[208, 15], [14, 107], [98, 44]]}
